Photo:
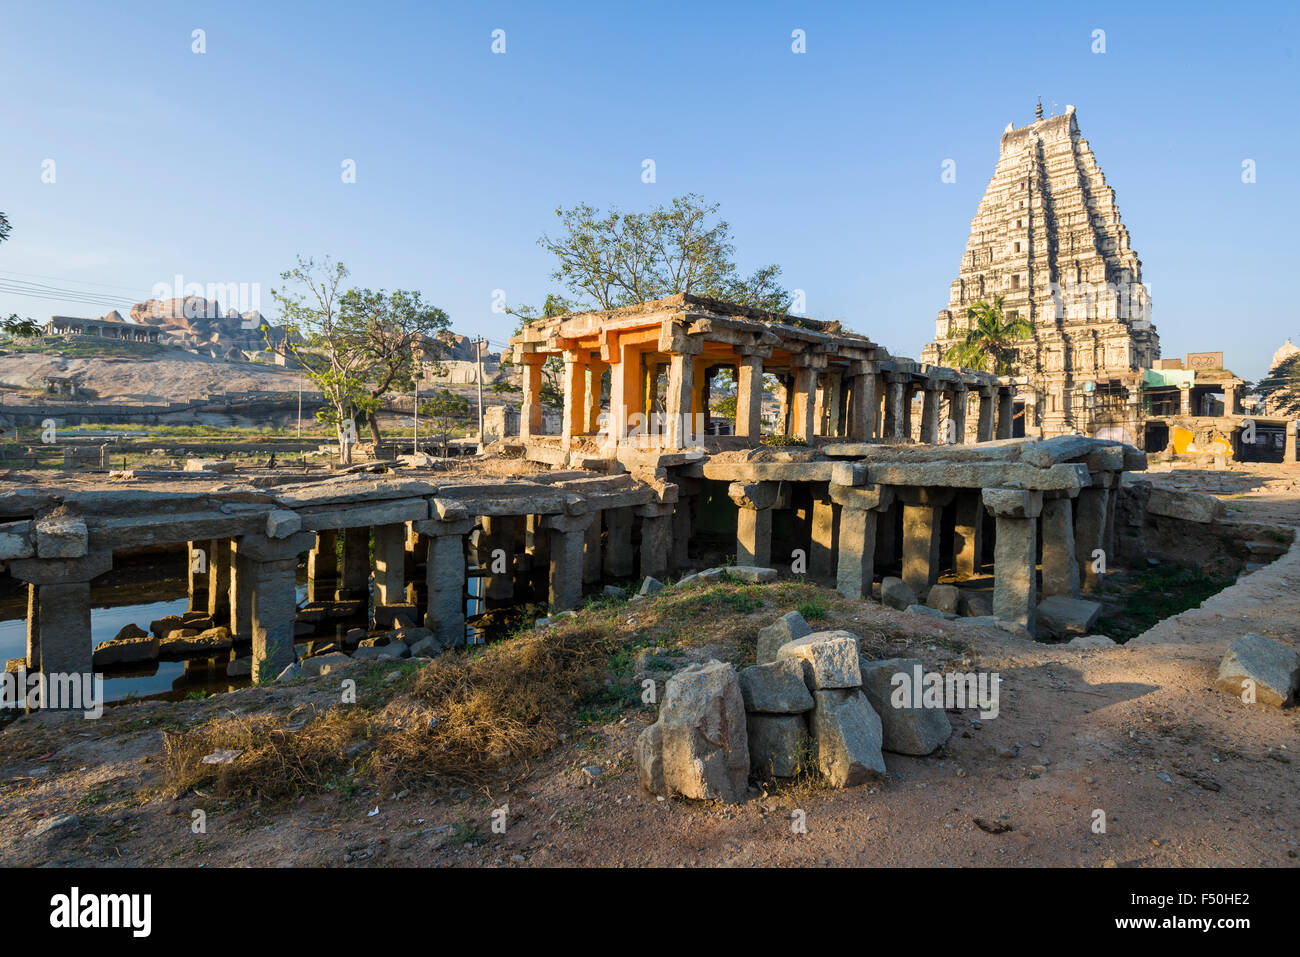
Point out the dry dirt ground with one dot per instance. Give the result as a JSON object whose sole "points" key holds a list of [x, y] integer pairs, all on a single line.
{"points": [[1184, 774]]}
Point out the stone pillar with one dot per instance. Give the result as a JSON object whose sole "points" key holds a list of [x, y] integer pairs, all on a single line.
{"points": [[749, 394], [681, 386], [968, 534], [58, 610], [619, 558], [1015, 577], [499, 560], [833, 402], [656, 538], [575, 397], [1090, 530], [753, 521], [1060, 565], [860, 508], [197, 590], [274, 599], [921, 528], [895, 407], [803, 418], [241, 595], [218, 579], [591, 553], [1006, 412], [322, 566], [530, 410], [444, 575], [564, 561], [1288, 449], [984, 430], [1184, 401], [821, 545], [862, 401], [930, 399], [390, 564], [683, 519], [957, 406], [355, 584]]}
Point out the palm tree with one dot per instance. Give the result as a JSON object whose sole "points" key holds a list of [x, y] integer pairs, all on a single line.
{"points": [[991, 338]]}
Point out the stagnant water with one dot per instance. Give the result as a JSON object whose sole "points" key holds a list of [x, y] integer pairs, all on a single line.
{"points": [[175, 680]]}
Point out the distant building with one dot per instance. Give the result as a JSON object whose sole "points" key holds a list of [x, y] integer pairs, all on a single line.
{"points": [[105, 328]]}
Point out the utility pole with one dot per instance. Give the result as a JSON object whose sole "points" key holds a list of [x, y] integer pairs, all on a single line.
{"points": [[478, 355], [300, 405]]}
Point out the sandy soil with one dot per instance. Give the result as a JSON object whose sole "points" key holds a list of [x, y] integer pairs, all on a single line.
{"points": [[1185, 775]]}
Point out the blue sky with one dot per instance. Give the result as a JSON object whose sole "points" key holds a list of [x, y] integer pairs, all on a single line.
{"points": [[224, 166]]}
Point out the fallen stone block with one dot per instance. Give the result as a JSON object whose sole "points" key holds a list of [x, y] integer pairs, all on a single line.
{"points": [[829, 659], [187, 642], [1255, 664], [164, 626], [944, 598], [1188, 506], [651, 586], [426, 648], [776, 687], [240, 668], [976, 604], [789, 627], [705, 744], [368, 653], [751, 573], [613, 591], [913, 730], [290, 672], [778, 744], [1059, 616], [1092, 641], [324, 664], [1011, 628], [895, 593], [130, 630], [927, 610], [394, 649], [848, 738], [122, 651]]}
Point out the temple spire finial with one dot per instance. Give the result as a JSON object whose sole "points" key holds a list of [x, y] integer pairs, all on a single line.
{"points": [[1038, 113]]}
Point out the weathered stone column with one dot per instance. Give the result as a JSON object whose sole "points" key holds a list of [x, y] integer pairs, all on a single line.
{"points": [[683, 522], [803, 416], [58, 610], [1060, 565], [833, 401], [984, 430], [444, 574], [390, 564], [537, 546], [960, 395], [1015, 575], [1090, 529], [355, 583], [860, 508], [930, 399], [274, 601], [821, 546], [241, 595], [197, 589], [619, 557], [530, 410], [968, 534], [862, 401], [681, 386], [1006, 412], [656, 538], [218, 579], [499, 557], [753, 521], [575, 397], [567, 533], [896, 406], [322, 566], [591, 552], [1288, 448], [749, 391], [922, 523]]}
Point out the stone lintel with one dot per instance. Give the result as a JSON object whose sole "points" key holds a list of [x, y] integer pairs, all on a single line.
{"points": [[848, 473], [62, 537], [436, 527], [1013, 503], [449, 510], [369, 513], [263, 548], [61, 571], [874, 497], [568, 523], [753, 494]]}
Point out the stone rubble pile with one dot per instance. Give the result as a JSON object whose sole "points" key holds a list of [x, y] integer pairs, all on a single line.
{"points": [[811, 702]]}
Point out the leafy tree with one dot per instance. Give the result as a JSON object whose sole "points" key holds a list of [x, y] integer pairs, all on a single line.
{"points": [[16, 325], [614, 259], [398, 336], [446, 410], [991, 339], [5, 228]]}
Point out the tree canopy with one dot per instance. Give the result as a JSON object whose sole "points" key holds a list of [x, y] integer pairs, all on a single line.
{"points": [[611, 259], [1280, 389], [991, 341]]}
